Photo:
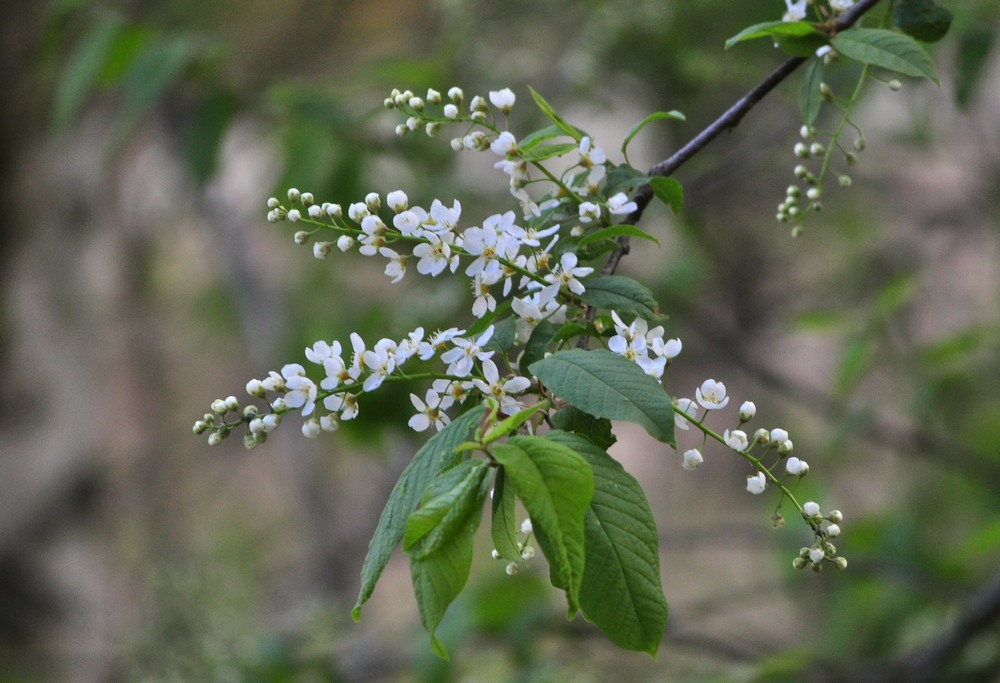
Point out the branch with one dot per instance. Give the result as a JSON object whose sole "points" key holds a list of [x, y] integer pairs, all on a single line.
{"points": [[730, 119]]}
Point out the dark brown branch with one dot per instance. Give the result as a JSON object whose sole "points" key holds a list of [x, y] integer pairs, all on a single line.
{"points": [[730, 119]]}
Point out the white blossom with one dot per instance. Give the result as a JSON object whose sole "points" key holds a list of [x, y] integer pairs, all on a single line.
{"points": [[756, 483], [712, 395], [692, 458]]}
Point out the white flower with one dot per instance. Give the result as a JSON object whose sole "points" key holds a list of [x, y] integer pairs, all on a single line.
{"points": [[374, 235], [817, 555], [397, 201], [567, 273], [428, 349], [501, 390], [589, 212], [301, 389], [321, 351], [796, 467], [841, 5], [345, 404], [381, 361], [756, 483], [686, 407], [796, 10], [311, 428], [620, 205], [736, 439], [669, 349], [502, 99], [442, 218], [778, 437], [435, 256], [396, 266], [526, 527], [484, 301], [528, 316], [409, 222], [505, 144], [747, 411], [345, 242], [429, 412], [487, 245], [465, 351], [692, 458], [712, 395], [810, 509], [590, 155]]}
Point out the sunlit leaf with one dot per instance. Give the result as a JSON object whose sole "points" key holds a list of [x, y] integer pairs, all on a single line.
{"points": [[886, 49]]}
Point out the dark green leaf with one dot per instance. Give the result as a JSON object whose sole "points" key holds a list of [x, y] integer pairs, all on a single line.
{"points": [[810, 98], [607, 385], [543, 152], [921, 19], [773, 29], [561, 123], [801, 46], [537, 343], [886, 49], [444, 507], [617, 231], [555, 484], [435, 455], [439, 577], [623, 177], [668, 191], [596, 430], [504, 527], [504, 334], [570, 330], [621, 591], [622, 294]]}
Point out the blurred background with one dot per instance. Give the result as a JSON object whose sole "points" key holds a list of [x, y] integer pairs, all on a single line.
{"points": [[140, 282]]}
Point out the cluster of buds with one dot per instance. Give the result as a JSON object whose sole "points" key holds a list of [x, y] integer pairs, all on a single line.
{"points": [[822, 551]]}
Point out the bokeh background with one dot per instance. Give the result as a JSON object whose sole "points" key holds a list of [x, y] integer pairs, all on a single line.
{"points": [[140, 281]]}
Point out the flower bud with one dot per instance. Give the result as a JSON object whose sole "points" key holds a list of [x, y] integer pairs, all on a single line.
{"points": [[840, 563], [457, 144], [255, 388], [456, 95], [814, 193], [833, 530], [214, 439], [293, 194], [334, 211], [747, 411], [413, 123], [307, 199], [527, 553], [692, 459], [495, 554], [219, 407], [511, 569], [345, 242], [311, 428], [810, 509], [273, 203], [322, 249], [402, 130], [315, 211], [799, 563], [451, 111], [416, 103], [301, 237], [232, 403], [294, 215], [817, 149], [433, 96], [816, 555], [251, 411], [778, 436], [801, 150], [895, 85], [200, 427], [844, 180], [786, 447], [835, 516], [373, 202], [761, 436], [432, 128]]}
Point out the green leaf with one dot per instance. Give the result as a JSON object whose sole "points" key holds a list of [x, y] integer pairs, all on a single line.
{"points": [[555, 484], [154, 70], [504, 333], [622, 294], [617, 231], [83, 68], [810, 98], [623, 177], [205, 132], [774, 30], [439, 577], [801, 46], [543, 152], [504, 527], [668, 191], [531, 140], [921, 19], [621, 591], [537, 343], [511, 423], [607, 385], [480, 325], [435, 456], [596, 430], [656, 116], [561, 123], [444, 507], [886, 49]]}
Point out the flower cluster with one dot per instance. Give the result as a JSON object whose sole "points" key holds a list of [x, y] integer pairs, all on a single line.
{"points": [[636, 342], [333, 399], [768, 452]]}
